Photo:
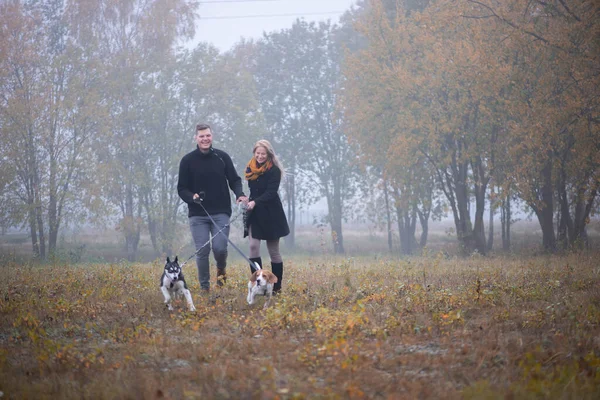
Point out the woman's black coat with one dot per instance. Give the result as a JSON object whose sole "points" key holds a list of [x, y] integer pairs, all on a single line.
{"points": [[267, 219]]}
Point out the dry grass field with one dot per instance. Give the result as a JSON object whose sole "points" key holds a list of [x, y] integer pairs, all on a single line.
{"points": [[343, 328]]}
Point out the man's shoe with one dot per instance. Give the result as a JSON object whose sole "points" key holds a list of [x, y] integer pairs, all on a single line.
{"points": [[221, 277]]}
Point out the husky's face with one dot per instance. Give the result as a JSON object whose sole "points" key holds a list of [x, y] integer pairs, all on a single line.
{"points": [[172, 269]]}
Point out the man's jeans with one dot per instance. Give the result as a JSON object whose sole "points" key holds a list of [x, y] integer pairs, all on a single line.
{"points": [[202, 228]]}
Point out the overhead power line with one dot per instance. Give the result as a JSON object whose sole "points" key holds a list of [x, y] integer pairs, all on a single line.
{"points": [[234, 1], [239, 1], [273, 15]]}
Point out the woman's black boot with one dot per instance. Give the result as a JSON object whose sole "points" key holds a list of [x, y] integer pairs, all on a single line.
{"points": [[277, 269]]}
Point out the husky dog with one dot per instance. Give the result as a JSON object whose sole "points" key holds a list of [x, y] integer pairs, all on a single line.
{"points": [[172, 283]]}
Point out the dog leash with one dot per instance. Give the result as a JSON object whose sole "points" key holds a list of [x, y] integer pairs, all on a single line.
{"points": [[253, 265], [208, 241]]}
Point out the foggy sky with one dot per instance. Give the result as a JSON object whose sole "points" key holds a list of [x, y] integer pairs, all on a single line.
{"points": [[216, 26]]}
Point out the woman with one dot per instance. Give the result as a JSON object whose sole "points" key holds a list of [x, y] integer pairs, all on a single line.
{"points": [[265, 219]]}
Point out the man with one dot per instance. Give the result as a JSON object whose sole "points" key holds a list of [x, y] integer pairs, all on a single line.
{"points": [[207, 174]]}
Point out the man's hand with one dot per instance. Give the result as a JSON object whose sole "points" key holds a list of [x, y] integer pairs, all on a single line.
{"points": [[198, 197]]}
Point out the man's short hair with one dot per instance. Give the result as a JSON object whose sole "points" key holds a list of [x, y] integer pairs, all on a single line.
{"points": [[202, 127]]}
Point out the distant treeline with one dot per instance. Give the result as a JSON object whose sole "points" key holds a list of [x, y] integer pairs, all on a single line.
{"points": [[405, 111]]}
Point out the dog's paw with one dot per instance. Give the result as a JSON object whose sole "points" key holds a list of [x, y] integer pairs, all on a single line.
{"points": [[192, 308], [169, 307]]}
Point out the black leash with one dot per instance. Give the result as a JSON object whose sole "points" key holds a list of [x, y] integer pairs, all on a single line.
{"points": [[253, 265], [208, 241]]}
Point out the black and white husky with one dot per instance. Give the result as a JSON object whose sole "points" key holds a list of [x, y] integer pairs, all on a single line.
{"points": [[172, 283]]}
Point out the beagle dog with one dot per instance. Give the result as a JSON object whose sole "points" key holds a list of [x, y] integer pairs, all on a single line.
{"points": [[261, 283]]}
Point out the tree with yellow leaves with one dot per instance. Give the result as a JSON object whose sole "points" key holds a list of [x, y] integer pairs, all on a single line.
{"points": [[554, 128], [487, 90], [418, 73]]}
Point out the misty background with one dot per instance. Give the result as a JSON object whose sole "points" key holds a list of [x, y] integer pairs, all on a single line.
{"points": [[389, 116]]}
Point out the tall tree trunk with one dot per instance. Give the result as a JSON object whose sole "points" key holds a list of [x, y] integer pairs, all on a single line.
{"points": [[39, 213], [153, 232], [290, 189], [505, 220], [52, 235], [152, 221], [545, 210], [171, 226], [337, 236], [52, 207], [40, 225], [53, 173], [412, 221], [168, 230], [132, 232], [464, 228], [35, 246], [546, 223], [508, 225], [490, 240], [55, 205], [424, 221], [583, 207], [565, 224], [406, 231], [28, 183], [480, 189], [335, 214], [479, 229], [388, 216], [36, 216], [405, 242], [423, 212]]}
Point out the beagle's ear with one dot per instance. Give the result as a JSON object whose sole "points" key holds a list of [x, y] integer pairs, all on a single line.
{"points": [[254, 276], [271, 278]]}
